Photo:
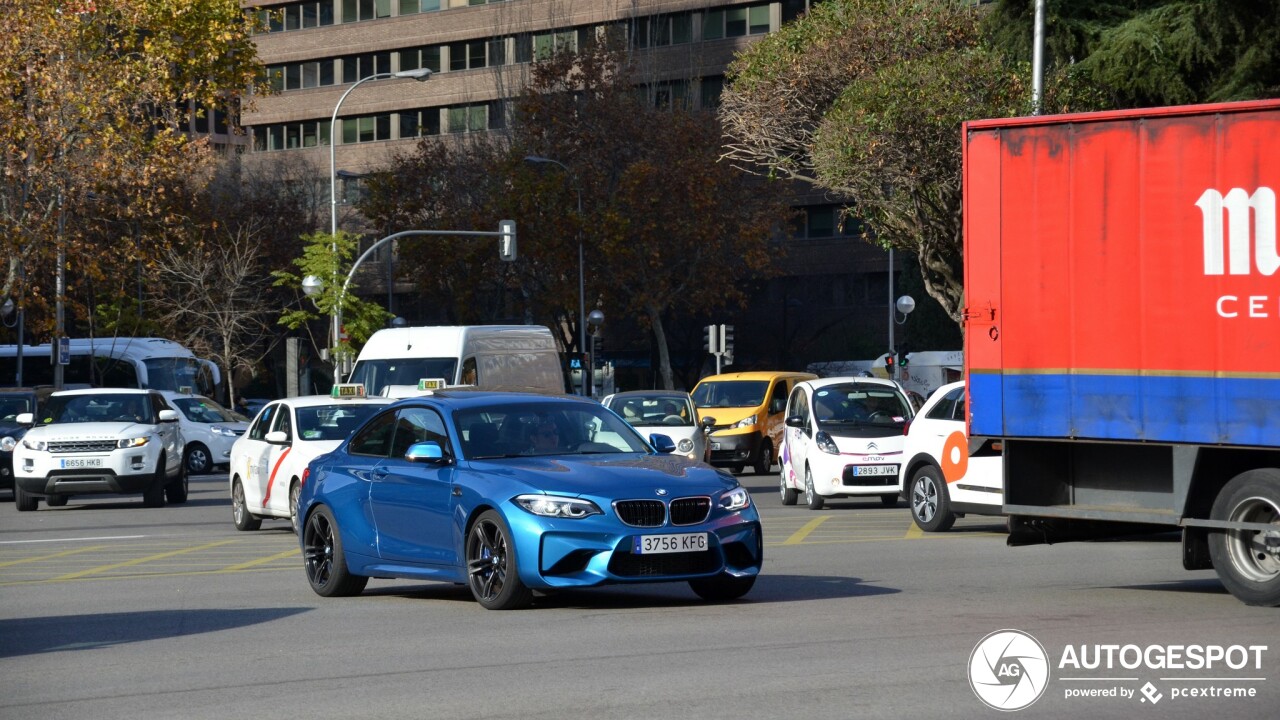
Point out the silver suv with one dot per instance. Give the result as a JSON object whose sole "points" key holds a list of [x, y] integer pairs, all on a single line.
{"points": [[100, 441]]}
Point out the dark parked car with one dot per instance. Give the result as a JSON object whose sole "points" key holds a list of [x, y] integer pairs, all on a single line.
{"points": [[13, 402]]}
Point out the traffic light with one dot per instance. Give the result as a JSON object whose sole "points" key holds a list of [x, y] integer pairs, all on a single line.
{"points": [[507, 240], [903, 360], [888, 362], [726, 336], [711, 343]]}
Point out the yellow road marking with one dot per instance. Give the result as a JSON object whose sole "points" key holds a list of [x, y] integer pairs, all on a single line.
{"points": [[913, 532], [798, 536], [139, 561], [260, 561], [64, 553]]}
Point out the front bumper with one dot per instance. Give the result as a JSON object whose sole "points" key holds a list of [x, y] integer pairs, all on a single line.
{"points": [[576, 554], [732, 449], [85, 482], [125, 470], [833, 476]]}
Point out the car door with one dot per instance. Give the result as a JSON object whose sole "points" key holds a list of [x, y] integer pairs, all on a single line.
{"points": [[412, 502], [170, 435], [254, 456], [275, 489], [798, 438], [775, 412]]}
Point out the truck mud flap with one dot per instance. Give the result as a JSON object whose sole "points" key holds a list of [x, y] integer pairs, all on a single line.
{"points": [[1024, 530]]}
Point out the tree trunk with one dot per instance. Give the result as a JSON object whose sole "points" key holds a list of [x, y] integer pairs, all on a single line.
{"points": [[660, 336]]}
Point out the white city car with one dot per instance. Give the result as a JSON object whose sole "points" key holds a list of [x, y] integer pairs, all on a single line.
{"points": [[944, 475], [843, 440], [98, 441], [209, 429], [268, 461], [665, 412]]}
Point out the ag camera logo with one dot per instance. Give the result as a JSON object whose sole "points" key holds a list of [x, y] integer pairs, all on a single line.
{"points": [[1008, 670]]}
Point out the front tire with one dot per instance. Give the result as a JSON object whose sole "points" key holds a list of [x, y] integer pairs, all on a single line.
{"points": [[23, 500], [491, 565], [930, 502], [722, 588], [55, 500], [811, 496], [153, 494], [789, 494], [198, 459], [1246, 563], [325, 562], [240, 514], [177, 489], [764, 460], [294, 491]]}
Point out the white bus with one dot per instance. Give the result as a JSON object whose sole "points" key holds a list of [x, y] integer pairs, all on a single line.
{"points": [[150, 363], [489, 356]]}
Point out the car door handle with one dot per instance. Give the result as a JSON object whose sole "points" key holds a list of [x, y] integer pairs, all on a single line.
{"points": [[457, 491], [379, 473]]}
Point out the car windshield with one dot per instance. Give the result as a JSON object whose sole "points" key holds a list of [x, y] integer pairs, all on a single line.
{"points": [[13, 406], [204, 410], [550, 428], [646, 410], [730, 393], [860, 405], [99, 407], [376, 375], [332, 422]]}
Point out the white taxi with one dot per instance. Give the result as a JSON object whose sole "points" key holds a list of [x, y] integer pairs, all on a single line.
{"points": [[209, 429], [945, 475], [267, 462], [843, 440]]}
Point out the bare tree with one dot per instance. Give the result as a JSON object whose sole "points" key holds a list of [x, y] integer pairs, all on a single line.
{"points": [[217, 296]]}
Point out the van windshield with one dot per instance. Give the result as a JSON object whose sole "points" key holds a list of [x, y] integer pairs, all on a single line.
{"points": [[730, 393], [376, 375]]}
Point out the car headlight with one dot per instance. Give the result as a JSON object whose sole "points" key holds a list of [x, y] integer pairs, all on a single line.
{"points": [[685, 446], [7, 444], [747, 421], [825, 443], [34, 444], [557, 507], [736, 499], [133, 442], [224, 431]]}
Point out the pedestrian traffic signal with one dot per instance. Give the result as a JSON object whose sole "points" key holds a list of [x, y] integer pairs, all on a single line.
{"points": [[726, 336], [903, 360], [711, 341], [888, 362]]}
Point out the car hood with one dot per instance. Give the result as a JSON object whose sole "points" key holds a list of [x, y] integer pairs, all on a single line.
{"points": [[620, 476], [726, 415], [88, 431], [675, 432], [12, 430]]}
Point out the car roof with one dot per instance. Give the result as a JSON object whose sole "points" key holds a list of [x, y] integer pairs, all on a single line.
{"points": [[314, 400], [100, 391], [851, 380], [757, 375], [675, 394], [465, 398]]}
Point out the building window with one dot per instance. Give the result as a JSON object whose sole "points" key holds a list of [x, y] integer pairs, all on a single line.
{"points": [[735, 22], [367, 128], [297, 16], [358, 67], [423, 57], [420, 123], [712, 88]]}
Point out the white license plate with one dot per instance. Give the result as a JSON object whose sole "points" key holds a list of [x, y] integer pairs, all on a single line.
{"points": [[82, 462], [715, 446], [874, 470], [683, 542]]}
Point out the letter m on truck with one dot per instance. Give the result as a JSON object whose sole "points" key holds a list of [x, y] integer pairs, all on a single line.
{"points": [[1122, 328]]}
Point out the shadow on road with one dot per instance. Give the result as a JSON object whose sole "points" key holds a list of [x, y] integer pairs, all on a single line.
{"points": [[32, 636]]}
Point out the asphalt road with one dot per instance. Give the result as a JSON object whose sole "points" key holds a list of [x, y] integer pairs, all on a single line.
{"points": [[110, 610]]}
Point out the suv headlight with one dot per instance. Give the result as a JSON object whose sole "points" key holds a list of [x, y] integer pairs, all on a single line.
{"points": [[685, 445], [7, 444], [736, 499], [747, 421], [224, 431], [34, 444], [557, 507], [133, 442]]}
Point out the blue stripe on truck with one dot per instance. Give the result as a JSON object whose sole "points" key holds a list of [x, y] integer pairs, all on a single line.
{"points": [[1153, 408]]}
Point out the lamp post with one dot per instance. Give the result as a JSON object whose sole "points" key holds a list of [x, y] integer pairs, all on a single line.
{"points": [[582, 295], [420, 74]]}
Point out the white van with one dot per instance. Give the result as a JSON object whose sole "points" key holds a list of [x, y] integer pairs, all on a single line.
{"points": [[513, 357]]}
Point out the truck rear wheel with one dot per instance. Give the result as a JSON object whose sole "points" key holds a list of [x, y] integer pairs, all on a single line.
{"points": [[1248, 561]]}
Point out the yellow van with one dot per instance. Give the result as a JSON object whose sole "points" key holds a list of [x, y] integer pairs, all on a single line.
{"points": [[747, 411]]}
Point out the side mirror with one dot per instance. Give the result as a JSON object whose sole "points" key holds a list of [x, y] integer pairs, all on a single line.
{"points": [[168, 416], [277, 437], [662, 443], [795, 421], [428, 452], [707, 423], [25, 418]]}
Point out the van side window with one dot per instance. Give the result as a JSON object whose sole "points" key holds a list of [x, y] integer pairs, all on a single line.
{"points": [[778, 398], [469, 372]]}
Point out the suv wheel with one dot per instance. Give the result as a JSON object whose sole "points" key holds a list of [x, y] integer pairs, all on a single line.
{"points": [[153, 495]]}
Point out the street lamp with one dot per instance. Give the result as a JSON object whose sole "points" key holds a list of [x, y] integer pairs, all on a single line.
{"points": [[419, 74], [582, 296]]}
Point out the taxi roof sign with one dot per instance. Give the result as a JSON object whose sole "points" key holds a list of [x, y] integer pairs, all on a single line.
{"points": [[431, 384], [347, 390]]}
